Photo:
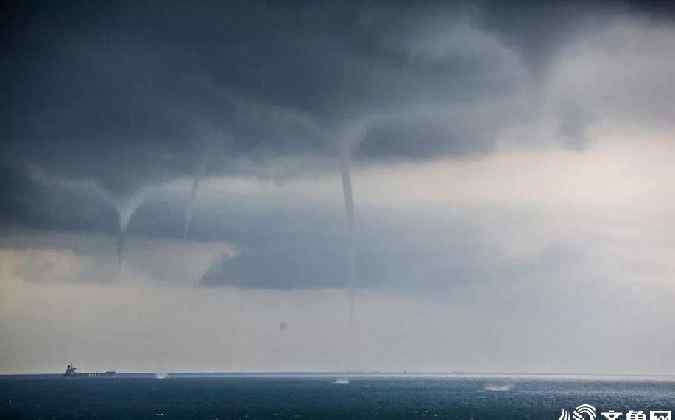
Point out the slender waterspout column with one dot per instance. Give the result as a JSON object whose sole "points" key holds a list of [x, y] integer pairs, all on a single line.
{"points": [[189, 208], [350, 136], [345, 170], [126, 207]]}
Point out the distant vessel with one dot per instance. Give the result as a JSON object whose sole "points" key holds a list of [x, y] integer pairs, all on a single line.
{"points": [[71, 371], [341, 381]]}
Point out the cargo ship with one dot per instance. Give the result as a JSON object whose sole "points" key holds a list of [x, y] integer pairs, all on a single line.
{"points": [[71, 371]]}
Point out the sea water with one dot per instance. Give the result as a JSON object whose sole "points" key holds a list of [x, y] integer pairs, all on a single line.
{"points": [[300, 397]]}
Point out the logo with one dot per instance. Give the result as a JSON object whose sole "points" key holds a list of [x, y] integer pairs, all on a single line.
{"points": [[588, 412], [659, 415], [582, 412]]}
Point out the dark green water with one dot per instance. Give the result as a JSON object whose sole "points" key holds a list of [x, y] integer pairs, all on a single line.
{"points": [[297, 398]]}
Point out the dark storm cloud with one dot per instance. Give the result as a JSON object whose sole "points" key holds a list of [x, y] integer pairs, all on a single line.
{"points": [[129, 93], [108, 100]]}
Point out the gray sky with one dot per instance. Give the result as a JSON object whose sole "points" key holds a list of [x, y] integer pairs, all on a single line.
{"points": [[511, 170]]}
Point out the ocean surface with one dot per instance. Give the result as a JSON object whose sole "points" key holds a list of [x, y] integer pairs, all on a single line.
{"points": [[298, 397]]}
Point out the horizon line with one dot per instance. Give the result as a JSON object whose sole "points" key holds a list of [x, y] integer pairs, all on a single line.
{"points": [[373, 373]]}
